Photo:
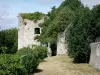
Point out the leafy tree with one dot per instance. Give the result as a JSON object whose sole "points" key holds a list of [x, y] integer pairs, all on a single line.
{"points": [[9, 40], [84, 30], [95, 21], [58, 20], [80, 36], [72, 4], [44, 26]]}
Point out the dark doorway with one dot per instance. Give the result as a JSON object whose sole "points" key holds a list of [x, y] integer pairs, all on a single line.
{"points": [[54, 49]]}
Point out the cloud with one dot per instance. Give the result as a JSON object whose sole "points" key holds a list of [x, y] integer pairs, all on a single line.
{"points": [[5, 20], [90, 3], [6, 23]]}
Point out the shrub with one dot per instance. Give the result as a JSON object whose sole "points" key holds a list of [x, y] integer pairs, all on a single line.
{"points": [[42, 51], [23, 62], [96, 21], [80, 36], [31, 57], [9, 65], [9, 40]]}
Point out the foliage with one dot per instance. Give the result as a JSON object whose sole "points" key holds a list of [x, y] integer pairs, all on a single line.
{"points": [[44, 26], [80, 36], [58, 20], [96, 21], [84, 29], [86, 26], [9, 40], [42, 51], [71, 4], [23, 62], [30, 58], [32, 16], [9, 65]]}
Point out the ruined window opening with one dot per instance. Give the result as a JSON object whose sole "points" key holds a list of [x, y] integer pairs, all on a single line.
{"points": [[37, 30]]}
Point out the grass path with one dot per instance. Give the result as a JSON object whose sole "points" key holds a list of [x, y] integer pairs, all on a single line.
{"points": [[63, 65]]}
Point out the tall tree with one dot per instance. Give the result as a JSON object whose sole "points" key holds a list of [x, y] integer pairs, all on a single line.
{"points": [[9, 40]]}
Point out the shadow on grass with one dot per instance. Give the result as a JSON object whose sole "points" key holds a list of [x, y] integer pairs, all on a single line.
{"points": [[37, 71]]}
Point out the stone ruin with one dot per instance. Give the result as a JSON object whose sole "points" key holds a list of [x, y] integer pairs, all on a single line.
{"points": [[95, 54], [62, 45], [28, 30]]}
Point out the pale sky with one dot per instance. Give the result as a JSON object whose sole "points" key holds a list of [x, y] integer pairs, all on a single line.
{"points": [[9, 9]]}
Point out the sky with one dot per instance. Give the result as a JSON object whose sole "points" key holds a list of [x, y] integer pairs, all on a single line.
{"points": [[9, 9]]}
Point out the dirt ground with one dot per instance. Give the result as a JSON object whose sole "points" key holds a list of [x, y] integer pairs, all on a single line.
{"points": [[63, 65]]}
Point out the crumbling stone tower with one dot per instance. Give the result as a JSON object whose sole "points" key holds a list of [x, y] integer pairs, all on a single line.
{"points": [[27, 31]]}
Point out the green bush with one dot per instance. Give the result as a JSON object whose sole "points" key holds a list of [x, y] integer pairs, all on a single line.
{"points": [[23, 62], [80, 36], [9, 65], [42, 51], [29, 59], [9, 41], [96, 21]]}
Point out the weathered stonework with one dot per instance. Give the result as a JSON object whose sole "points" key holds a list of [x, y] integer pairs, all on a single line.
{"points": [[61, 46], [26, 32], [95, 55], [26, 36]]}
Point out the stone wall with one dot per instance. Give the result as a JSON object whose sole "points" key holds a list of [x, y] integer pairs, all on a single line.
{"points": [[26, 33], [62, 44], [95, 55]]}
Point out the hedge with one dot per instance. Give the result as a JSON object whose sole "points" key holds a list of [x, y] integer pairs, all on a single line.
{"points": [[24, 62], [80, 36], [9, 65], [31, 57]]}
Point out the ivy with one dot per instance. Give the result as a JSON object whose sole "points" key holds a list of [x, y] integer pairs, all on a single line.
{"points": [[32, 16]]}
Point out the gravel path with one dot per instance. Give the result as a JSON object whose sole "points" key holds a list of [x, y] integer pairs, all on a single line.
{"points": [[62, 65]]}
